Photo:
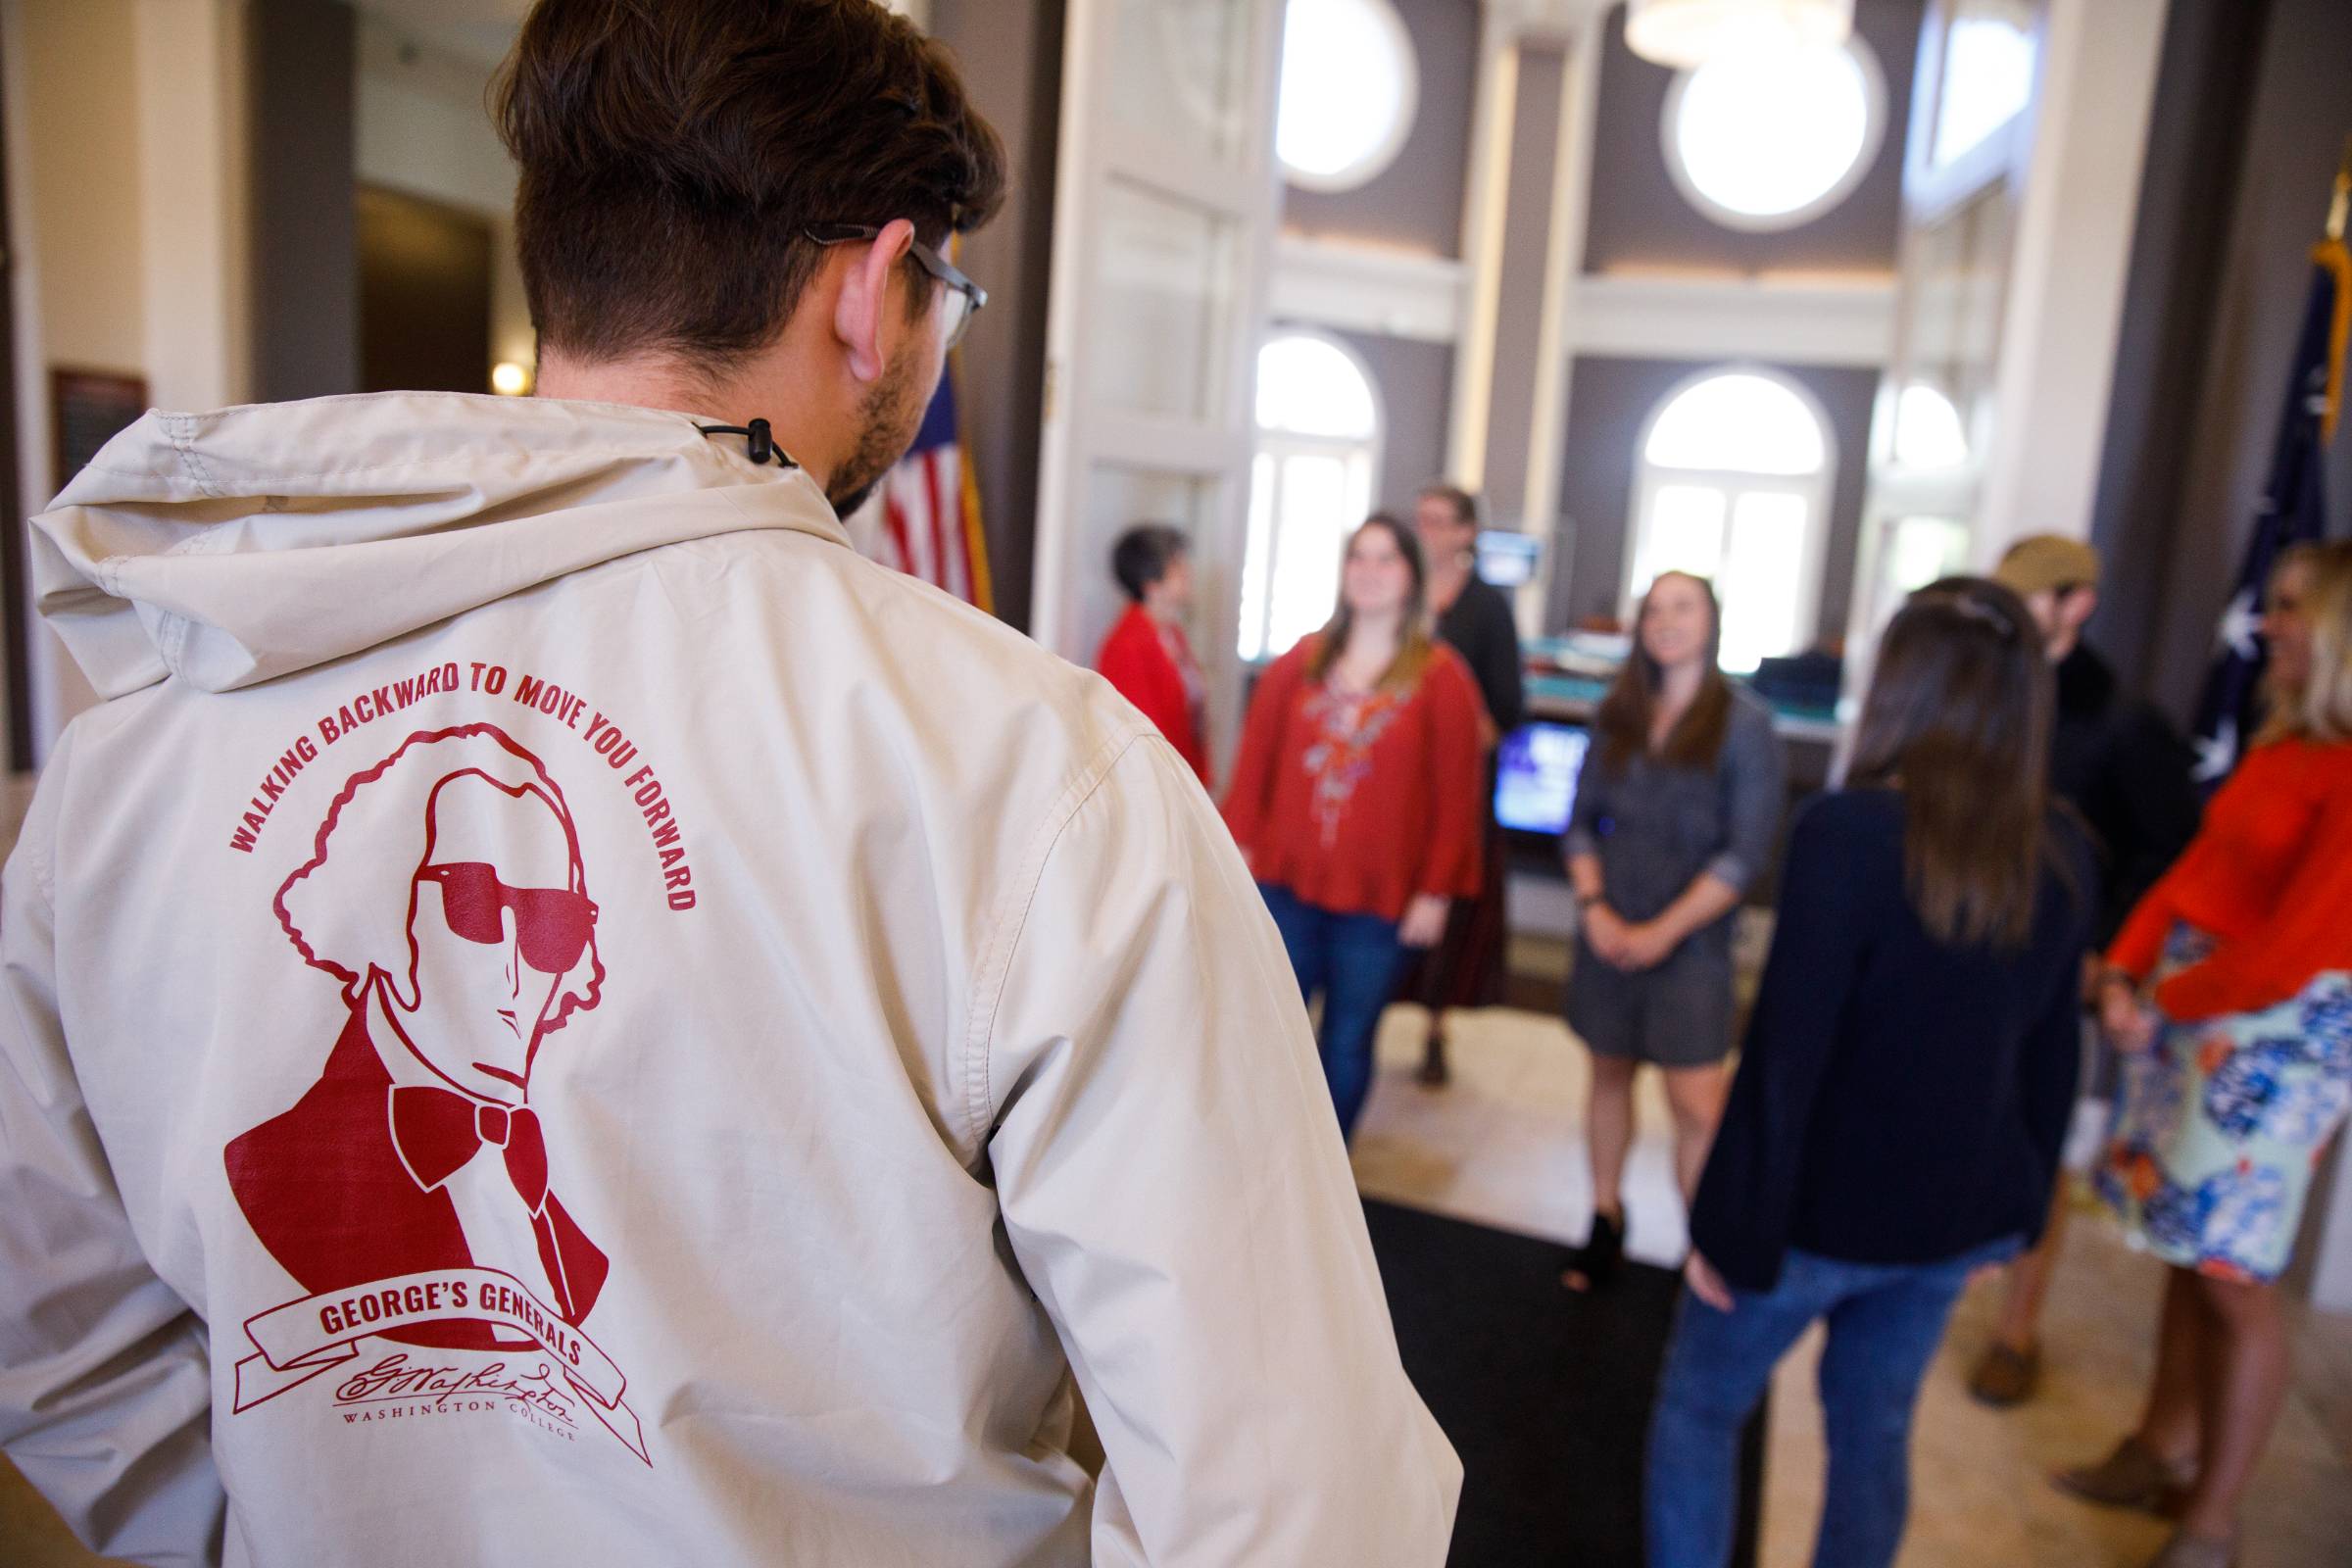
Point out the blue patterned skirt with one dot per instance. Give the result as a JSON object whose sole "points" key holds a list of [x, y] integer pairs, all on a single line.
{"points": [[2219, 1124]]}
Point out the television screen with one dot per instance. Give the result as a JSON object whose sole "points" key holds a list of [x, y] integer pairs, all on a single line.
{"points": [[1534, 786]]}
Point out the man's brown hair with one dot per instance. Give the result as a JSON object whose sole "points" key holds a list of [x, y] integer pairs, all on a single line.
{"points": [[1463, 503], [674, 154]]}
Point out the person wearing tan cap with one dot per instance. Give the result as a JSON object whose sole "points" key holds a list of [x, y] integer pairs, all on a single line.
{"points": [[2123, 766]]}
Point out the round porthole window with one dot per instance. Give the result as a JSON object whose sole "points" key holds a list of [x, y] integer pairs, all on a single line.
{"points": [[1350, 88], [1768, 139]]}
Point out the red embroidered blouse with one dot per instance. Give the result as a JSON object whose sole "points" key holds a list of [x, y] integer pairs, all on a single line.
{"points": [[1358, 802], [1154, 670], [2269, 875]]}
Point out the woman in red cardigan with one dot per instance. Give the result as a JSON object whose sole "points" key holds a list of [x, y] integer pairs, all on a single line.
{"points": [[1147, 657], [1356, 798], [2230, 987]]}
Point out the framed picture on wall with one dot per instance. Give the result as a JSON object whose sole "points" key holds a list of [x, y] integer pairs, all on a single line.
{"points": [[88, 409]]}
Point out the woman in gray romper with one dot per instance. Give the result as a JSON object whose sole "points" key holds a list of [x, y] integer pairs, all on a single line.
{"points": [[1677, 807]]}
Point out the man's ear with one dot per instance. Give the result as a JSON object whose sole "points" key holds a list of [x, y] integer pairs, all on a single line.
{"points": [[863, 319], [2082, 603]]}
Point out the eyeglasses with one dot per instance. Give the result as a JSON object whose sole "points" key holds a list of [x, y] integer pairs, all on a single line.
{"points": [[964, 297], [553, 924]]}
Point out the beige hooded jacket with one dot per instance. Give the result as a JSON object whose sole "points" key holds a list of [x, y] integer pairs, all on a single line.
{"points": [[556, 1015]]}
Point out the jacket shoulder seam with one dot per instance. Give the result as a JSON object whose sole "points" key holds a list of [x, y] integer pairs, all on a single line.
{"points": [[1011, 916]]}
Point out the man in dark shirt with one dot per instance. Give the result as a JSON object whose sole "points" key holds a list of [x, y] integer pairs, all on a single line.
{"points": [[2118, 763], [1474, 619]]}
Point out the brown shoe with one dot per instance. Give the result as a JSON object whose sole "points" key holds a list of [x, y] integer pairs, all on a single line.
{"points": [[2006, 1377], [2134, 1476], [2185, 1550]]}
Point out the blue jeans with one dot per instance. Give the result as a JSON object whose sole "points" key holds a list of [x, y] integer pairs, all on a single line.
{"points": [[1885, 1321], [1353, 960]]}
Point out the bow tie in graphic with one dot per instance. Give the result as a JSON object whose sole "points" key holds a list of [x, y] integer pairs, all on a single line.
{"points": [[437, 1131]]}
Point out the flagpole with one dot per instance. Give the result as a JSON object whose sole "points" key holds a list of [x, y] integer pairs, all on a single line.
{"points": [[2339, 204]]}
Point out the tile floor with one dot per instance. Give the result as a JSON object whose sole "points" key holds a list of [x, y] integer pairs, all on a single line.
{"points": [[1499, 1146]]}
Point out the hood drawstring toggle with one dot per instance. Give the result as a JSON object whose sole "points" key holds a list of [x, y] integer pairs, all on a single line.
{"points": [[758, 440]]}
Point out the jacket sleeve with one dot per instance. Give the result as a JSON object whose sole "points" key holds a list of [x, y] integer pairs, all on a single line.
{"points": [[1755, 789], [1175, 1191], [2282, 955], [2139, 942], [1746, 1200], [1457, 765], [105, 1375], [1251, 796], [1501, 668], [2051, 1059], [2153, 810]]}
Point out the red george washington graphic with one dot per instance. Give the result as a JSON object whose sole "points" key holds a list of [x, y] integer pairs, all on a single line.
{"points": [[446, 894]]}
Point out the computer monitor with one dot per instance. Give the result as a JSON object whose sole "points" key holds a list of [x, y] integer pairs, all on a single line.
{"points": [[1535, 784], [1508, 559]]}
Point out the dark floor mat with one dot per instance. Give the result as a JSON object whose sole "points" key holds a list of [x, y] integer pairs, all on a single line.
{"points": [[1544, 1393]]}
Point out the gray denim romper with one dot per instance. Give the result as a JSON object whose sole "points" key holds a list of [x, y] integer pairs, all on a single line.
{"points": [[1655, 829]]}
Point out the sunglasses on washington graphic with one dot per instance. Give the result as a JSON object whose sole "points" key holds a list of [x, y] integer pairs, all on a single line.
{"points": [[552, 924]]}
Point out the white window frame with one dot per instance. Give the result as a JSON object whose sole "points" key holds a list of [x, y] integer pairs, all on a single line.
{"points": [[1873, 143], [1361, 458], [1817, 490]]}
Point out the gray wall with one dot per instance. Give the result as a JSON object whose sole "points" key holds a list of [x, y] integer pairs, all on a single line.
{"points": [[1417, 201], [1010, 55], [306, 288], [1639, 219], [2251, 116], [1415, 384], [1611, 400]]}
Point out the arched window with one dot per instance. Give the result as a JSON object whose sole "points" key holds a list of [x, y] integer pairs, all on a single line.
{"points": [[1928, 429], [1318, 447], [1733, 484], [1771, 139], [1348, 89], [1987, 79]]}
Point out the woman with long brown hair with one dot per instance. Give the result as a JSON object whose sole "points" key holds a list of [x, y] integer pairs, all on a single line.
{"points": [[1355, 797], [1905, 1084], [1677, 807], [2229, 989]]}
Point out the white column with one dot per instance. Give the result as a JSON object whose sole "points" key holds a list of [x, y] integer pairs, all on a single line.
{"points": [[1493, 111], [1564, 265], [1574, 25], [2073, 262]]}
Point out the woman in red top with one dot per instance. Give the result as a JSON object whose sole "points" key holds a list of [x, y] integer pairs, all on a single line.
{"points": [[1147, 657], [1356, 797], [2231, 988]]}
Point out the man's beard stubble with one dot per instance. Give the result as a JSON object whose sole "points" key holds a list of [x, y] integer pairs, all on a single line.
{"points": [[888, 424]]}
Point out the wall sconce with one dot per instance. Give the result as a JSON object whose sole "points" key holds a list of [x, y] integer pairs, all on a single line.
{"points": [[508, 379]]}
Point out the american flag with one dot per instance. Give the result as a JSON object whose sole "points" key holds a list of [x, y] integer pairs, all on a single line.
{"points": [[2292, 510], [924, 517]]}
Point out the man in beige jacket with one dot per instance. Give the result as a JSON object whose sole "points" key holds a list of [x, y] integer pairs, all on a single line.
{"points": [[556, 1016]]}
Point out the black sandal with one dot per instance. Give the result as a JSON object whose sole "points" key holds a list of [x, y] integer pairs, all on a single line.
{"points": [[1593, 1264]]}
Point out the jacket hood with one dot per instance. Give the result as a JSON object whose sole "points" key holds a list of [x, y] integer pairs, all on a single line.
{"points": [[234, 547]]}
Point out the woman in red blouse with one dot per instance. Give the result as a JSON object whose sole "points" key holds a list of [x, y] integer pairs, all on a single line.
{"points": [[1147, 657], [2230, 990], [1356, 798]]}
